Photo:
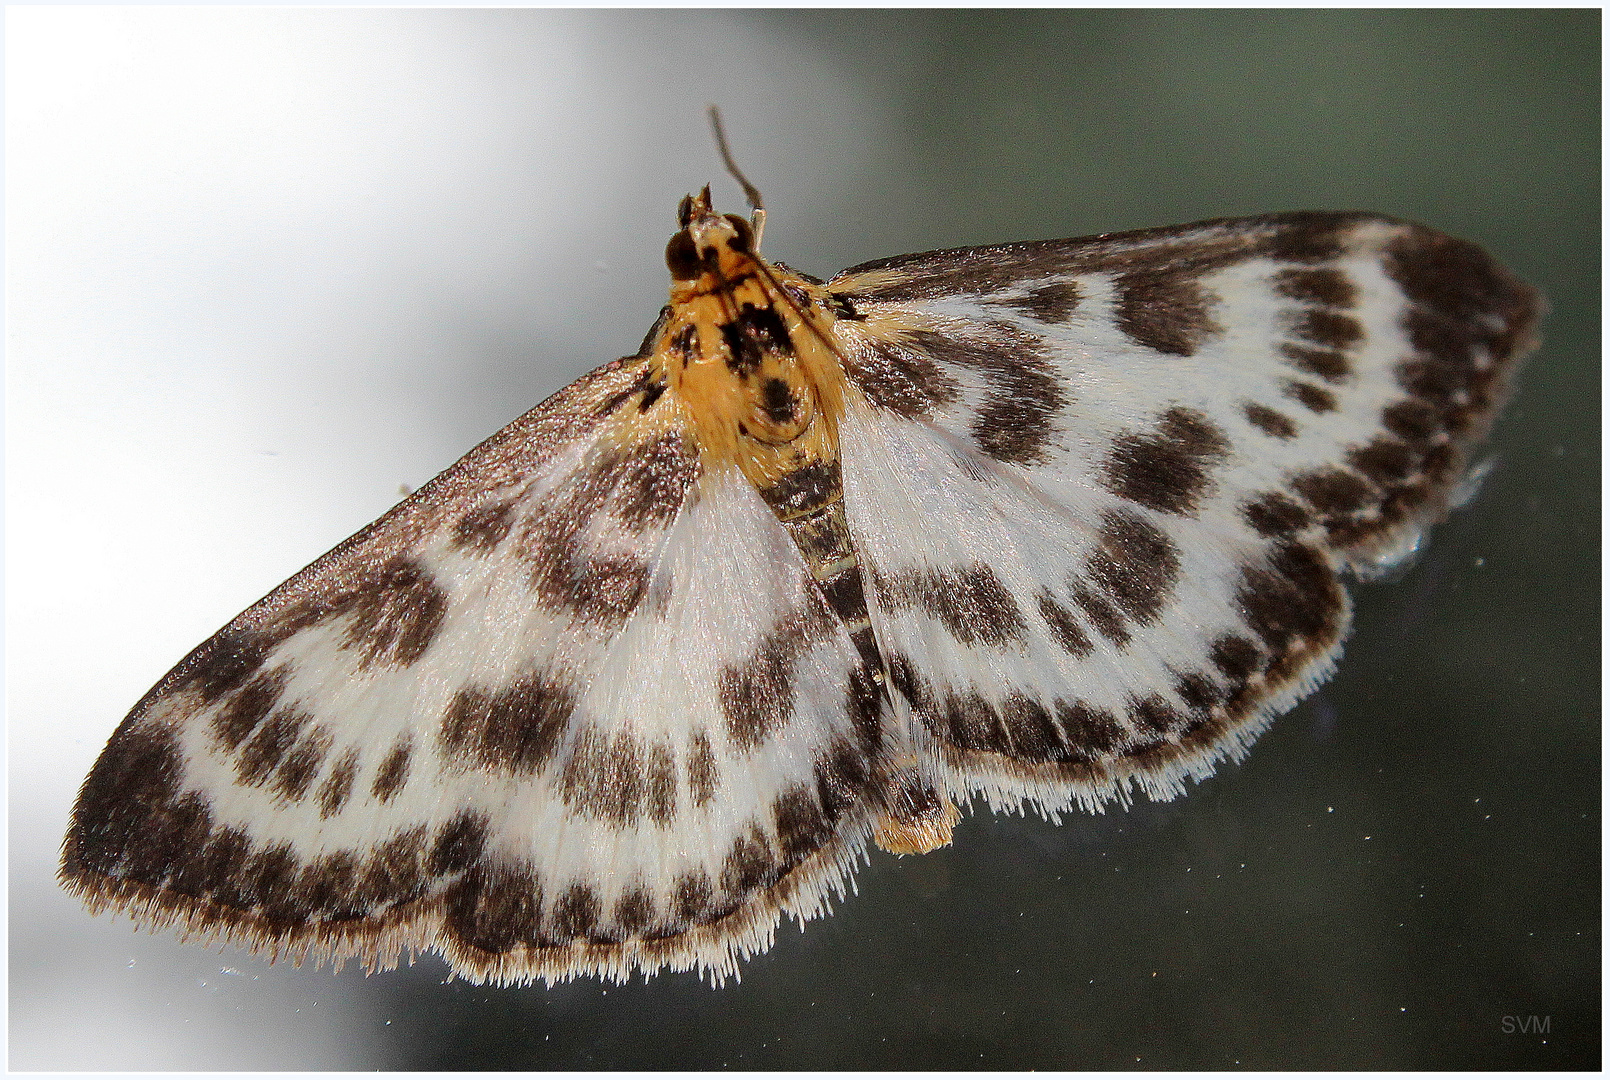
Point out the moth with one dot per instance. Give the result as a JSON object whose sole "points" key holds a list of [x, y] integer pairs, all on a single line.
{"points": [[1049, 524]]}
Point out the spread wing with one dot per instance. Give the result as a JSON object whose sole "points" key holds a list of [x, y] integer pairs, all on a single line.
{"points": [[1105, 488], [528, 719]]}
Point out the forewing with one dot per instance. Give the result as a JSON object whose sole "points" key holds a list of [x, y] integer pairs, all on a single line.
{"points": [[573, 707], [1105, 487]]}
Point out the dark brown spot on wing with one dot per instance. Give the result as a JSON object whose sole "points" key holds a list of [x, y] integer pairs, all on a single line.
{"points": [[690, 898], [634, 911], [393, 612], [660, 792], [337, 787], [250, 705], [970, 602], [395, 617], [1385, 461], [1309, 396], [1014, 422], [496, 909], [1271, 422], [1165, 309], [1154, 714], [515, 729], [1053, 304], [702, 775], [262, 755], [1101, 613], [967, 720], [134, 782], [1416, 421], [599, 590], [1168, 468], [1311, 236], [802, 827], [271, 882], [1273, 514], [749, 865], [757, 698], [301, 765], [224, 662], [393, 771], [459, 844], [841, 778], [604, 777], [904, 677], [1327, 328], [1237, 658], [396, 872], [1090, 732], [1292, 600], [1065, 628], [575, 914], [213, 867], [1030, 732], [1326, 286], [1136, 563], [900, 377], [654, 481], [1329, 364], [1461, 298], [325, 887], [1331, 490], [602, 591], [483, 528], [1199, 692]]}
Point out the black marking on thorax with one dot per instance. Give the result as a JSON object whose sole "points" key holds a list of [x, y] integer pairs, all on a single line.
{"points": [[754, 333]]}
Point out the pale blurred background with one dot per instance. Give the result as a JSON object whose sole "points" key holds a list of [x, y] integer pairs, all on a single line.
{"points": [[267, 266]]}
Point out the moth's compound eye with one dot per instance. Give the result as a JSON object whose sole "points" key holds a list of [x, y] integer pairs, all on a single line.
{"points": [[745, 240], [682, 256]]}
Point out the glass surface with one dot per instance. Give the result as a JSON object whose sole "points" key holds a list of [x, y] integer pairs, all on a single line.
{"points": [[266, 266]]}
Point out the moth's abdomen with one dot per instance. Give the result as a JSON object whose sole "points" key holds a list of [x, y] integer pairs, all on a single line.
{"points": [[810, 504]]}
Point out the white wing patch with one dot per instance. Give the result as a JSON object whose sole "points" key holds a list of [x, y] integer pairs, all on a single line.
{"points": [[1049, 522]]}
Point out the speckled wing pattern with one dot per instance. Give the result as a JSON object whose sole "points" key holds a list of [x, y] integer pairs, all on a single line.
{"points": [[522, 719], [652, 666], [1105, 488]]}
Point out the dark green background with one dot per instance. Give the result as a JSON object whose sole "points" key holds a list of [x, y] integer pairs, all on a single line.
{"points": [[1408, 858]]}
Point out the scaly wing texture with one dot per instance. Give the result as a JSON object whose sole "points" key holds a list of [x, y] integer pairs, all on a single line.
{"points": [[1105, 487], [575, 706]]}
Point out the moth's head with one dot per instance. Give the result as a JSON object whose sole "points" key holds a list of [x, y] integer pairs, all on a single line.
{"points": [[707, 240]]}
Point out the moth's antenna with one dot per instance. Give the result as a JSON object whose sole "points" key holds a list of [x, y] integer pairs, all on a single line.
{"points": [[757, 208]]}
